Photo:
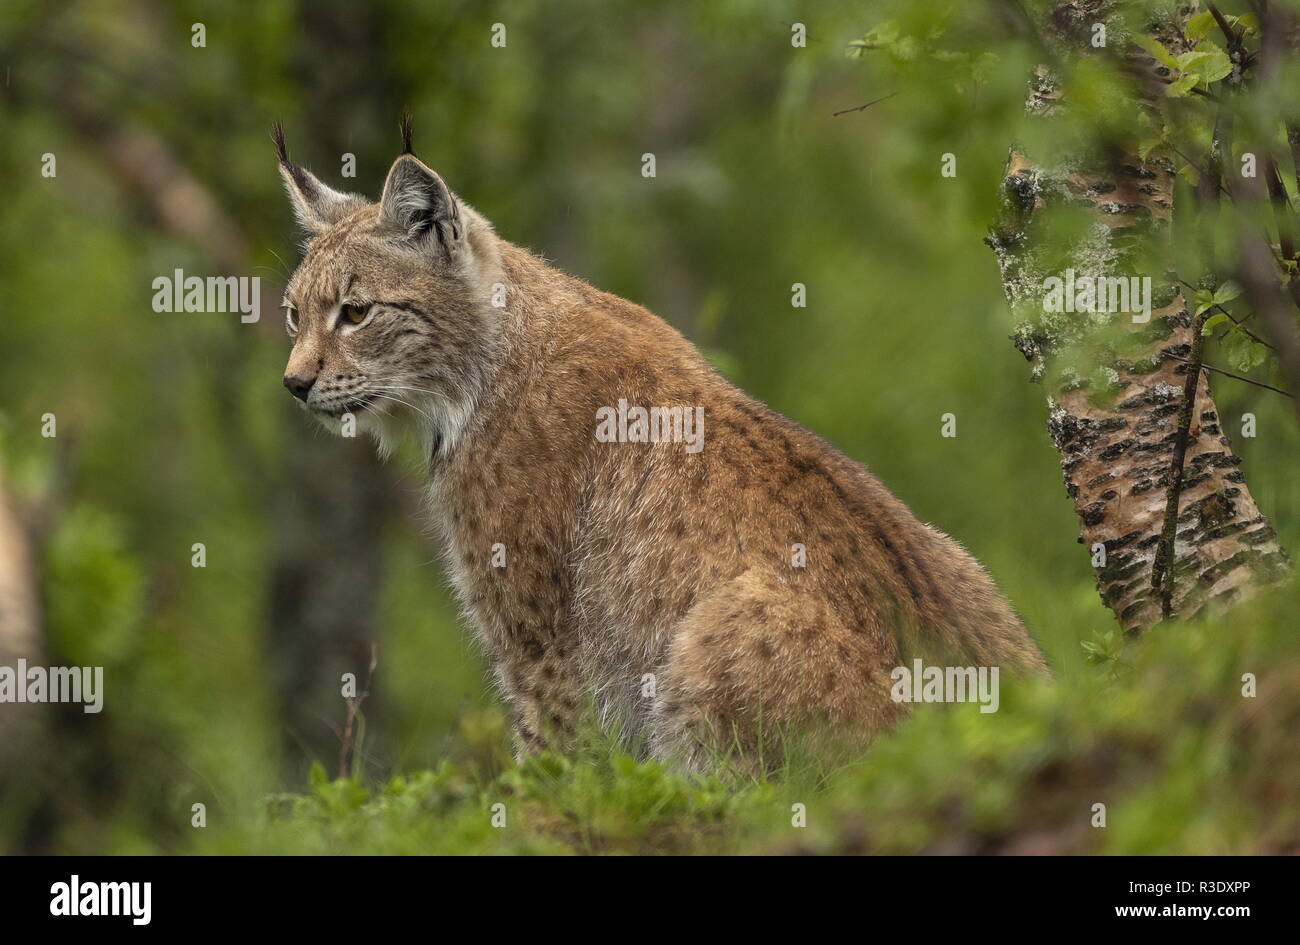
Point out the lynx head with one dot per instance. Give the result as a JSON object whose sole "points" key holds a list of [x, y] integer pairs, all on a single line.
{"points": [[390, 309]]}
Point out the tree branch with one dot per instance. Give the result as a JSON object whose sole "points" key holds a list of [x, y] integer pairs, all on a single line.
{"points": [[859, 108], [1162, 571], [1237, 377]]}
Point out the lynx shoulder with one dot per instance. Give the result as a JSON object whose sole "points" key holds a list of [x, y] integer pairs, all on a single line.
{"points": [[634, 538]]}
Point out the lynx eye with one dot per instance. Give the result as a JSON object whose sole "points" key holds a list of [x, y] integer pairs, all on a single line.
{"points": [[290, 319], [353, 314]]}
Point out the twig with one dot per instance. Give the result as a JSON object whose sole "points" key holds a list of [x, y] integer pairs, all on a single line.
{"points": [[1231, 35], [858, 108], [1281, 206], [1239, 323], [1162, 569], [1256, 272], [354, 707], [1293, 139], [1198, 169], [1236, 377], [1027, 25]]}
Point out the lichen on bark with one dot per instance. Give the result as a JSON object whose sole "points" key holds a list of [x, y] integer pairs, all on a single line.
{"points": [[1116, 384]]}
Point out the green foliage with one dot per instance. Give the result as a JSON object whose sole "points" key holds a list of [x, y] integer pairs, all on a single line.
{"points": [[1198, 68], [94, 589], [598, 802], [1204, 299], [1171, 745], [1244, 353], [1104, 647], [173, 429]]}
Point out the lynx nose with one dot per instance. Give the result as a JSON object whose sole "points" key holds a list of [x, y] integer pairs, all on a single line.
{"points": [[299, 386]]}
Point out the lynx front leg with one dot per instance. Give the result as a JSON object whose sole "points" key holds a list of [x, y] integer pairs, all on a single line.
{"points": [[544, 695], [521, 604]]}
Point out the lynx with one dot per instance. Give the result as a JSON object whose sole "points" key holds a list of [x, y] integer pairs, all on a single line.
{"points": [[693, 601]]}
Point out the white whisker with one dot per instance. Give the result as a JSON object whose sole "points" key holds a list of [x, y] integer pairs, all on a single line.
{"points": [[404, 403], [422, 390]]}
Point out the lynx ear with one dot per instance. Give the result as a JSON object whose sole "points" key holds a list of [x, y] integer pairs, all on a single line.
{"points": [[316, 205], [417, 202]]}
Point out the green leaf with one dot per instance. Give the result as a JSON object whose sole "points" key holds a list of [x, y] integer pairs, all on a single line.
{"points": [[1182, 86], [1213, 322], [1226, 292], [1215, 66], [1157, 49], [1243, 353], [1202, 299], [1188, 61], [1199, 25]]}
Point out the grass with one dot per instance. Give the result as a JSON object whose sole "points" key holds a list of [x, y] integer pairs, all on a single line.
{"points": [[1155, 748]]}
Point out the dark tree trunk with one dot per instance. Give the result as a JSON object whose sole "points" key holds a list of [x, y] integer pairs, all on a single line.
{"points": [[337, 498]]}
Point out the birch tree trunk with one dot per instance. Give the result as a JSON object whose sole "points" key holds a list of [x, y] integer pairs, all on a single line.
{"points": [[1163, 504]]}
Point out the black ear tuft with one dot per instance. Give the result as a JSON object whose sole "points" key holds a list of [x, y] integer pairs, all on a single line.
{"points": [[277, 135], [406, 130], [316, 205], [308, 185]]}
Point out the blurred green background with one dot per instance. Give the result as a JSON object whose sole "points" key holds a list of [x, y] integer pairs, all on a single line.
{"points": [[222, 683]]}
